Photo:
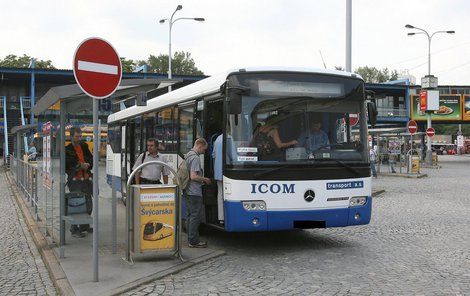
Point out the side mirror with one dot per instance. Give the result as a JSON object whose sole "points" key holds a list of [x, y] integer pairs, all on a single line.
{"points": [[235, 93], [141, 99], [235, 103], [372, 113]]}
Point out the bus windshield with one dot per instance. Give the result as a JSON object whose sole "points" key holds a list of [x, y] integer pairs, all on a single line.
{"points": [[295, 121]]}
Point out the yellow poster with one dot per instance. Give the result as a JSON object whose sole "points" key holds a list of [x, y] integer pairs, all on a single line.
{"points": [[466, 108], [157, 219], [415, 165]]}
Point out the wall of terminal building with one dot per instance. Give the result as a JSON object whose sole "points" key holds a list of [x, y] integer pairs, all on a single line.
{"points": [[15, 92], [394, 100], [17, 83]]}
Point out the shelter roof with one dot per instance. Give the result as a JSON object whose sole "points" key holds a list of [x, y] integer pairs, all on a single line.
{"points": [[127, 87]]}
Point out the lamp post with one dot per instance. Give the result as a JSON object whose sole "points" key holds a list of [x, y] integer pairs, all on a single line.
{"points": [[171, 21], [422, 31]]}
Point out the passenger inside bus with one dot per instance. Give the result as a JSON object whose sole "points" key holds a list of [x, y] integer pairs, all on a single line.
{"points": [[266, 139]]}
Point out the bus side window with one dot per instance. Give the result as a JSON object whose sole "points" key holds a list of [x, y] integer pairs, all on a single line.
{"points": [[114, 137], [164, 130], [147, 129], [137, 135], [186, 116]]}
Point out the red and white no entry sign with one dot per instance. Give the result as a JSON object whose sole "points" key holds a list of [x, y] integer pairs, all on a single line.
{"points": [[97, 68], [353, 119], [412, 126], [430, 132]]}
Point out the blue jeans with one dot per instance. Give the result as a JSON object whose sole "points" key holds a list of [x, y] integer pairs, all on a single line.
{"points": [[193, 217], [372, 168]]}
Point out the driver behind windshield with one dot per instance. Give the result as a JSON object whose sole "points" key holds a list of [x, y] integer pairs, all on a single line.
{"points": [[314, 138]]}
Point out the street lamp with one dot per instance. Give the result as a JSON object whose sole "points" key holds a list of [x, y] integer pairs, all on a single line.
{"points": [[422, 31], [171, 21]]}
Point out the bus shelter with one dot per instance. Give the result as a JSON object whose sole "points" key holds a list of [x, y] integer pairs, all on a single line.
{"points": [[394, 146], [23, 165], [57, 111], [22, 138]]}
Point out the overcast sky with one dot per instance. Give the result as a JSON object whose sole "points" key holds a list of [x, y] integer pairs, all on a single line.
{"points": [[243, 33]]}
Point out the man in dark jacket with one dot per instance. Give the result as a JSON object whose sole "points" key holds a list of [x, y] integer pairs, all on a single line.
{"points": [[78, 164]]}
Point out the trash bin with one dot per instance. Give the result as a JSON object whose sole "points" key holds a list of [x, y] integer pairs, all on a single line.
{"points": [[415, 166], [434, 158]]}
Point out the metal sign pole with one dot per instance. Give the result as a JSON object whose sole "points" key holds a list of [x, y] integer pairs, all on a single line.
{"points": [[130, 201], [62, 179], [114, 214], [410, 161], [96, 156]]}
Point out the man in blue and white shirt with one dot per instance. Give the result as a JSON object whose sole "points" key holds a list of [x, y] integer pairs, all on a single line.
{"points": [[217, 156], [314, 138]]}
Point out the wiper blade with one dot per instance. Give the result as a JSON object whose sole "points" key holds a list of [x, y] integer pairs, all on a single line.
{"points": [[268, 171], [347, 166], [342, 163]]}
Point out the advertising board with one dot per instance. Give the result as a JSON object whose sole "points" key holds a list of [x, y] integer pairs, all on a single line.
{"points": [[449, 109], [155, 217], [466, 107]]}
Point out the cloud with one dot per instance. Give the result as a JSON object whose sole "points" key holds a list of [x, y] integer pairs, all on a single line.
{"points": [[241, 33]]}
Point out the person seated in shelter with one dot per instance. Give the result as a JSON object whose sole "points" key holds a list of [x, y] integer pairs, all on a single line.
{"points": [[314, 138], [266, 139], [32, 152]]}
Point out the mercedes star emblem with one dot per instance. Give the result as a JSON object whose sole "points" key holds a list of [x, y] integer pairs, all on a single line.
{"points": [[309, 195]]}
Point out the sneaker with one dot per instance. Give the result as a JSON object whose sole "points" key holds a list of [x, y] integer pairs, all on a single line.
{"points": [[78, 234], [199, 245]]}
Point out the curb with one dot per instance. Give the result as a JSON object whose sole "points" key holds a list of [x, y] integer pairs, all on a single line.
{"points": [[172, 270], [56, 273], [434, 167], [409, 176]]}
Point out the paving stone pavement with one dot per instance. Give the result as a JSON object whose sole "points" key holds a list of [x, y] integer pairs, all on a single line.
{"points": [[22, 271], [416, 244]]}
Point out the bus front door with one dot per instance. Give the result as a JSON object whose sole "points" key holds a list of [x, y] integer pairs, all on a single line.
{"points": [[212, 128]]}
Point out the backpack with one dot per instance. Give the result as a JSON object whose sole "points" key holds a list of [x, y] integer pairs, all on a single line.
{"points": [[183, 172]]}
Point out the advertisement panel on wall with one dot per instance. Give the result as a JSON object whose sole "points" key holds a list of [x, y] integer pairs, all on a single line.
{"points": [[449, 109], [466, 107]]}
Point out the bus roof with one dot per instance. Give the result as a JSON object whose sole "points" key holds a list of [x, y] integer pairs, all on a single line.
{"points": [[208, 86]]}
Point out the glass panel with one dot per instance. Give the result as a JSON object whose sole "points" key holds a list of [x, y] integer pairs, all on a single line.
{"points": [[136, 134], [305, 120], [186, 128], [114, 137], [149, 120], [164, 130], [199, 120]]}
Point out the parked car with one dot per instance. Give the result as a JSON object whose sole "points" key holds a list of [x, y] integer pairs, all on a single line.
{"points": [[444, 148]]}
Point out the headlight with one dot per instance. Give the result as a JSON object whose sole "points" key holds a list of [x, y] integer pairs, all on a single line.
{"points": [[357, 201], [257, 205]]}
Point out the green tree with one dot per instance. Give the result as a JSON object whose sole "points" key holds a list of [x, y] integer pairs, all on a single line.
{"points": [[13, 61], [181, 64], [374, 75], [127, 65]]}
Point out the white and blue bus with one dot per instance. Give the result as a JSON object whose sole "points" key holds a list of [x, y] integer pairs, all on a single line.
{"points": [[297, 185]]}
